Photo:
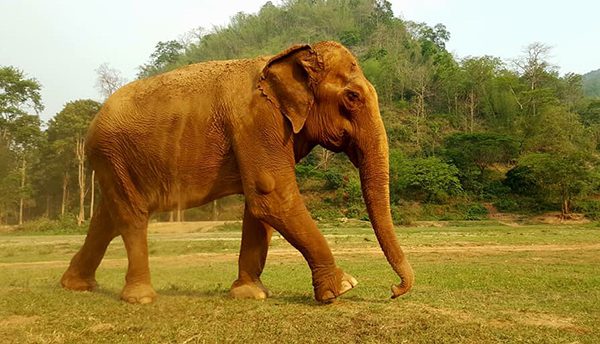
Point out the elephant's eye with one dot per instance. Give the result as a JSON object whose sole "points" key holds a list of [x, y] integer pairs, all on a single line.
{"points": [[352, 96], [351, 101]]}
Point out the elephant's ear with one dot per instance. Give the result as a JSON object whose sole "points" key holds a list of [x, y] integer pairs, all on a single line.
{"points": [[289, 79]]}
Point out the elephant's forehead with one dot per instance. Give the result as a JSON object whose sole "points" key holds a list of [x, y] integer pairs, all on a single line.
{"points": [[340, 58]]}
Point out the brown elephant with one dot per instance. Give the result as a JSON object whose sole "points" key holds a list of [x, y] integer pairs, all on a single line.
{"points": [[204, 131]]}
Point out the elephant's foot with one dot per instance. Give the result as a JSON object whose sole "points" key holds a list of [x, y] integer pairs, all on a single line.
{"points": [[249, 290], [138, 293], [329, 288], [73, 281]]}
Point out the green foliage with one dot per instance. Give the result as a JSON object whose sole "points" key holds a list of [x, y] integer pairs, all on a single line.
{"points": [[563, 176], [461, 122], [474, 153], [406, 213], [165, 54], [476, 212], [425, 179], [507, 205], [590, 208], [351, 193], [334, 179], [18, 95], [230, 227], [63, 225], [480, 150], [20, 136], [522, 181]]}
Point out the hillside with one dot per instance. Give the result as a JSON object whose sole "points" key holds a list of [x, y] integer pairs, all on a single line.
{"points": [[591, 84], [466, 134]]}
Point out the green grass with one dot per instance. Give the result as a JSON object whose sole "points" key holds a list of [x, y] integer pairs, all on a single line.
{"points": [[486, 283]]}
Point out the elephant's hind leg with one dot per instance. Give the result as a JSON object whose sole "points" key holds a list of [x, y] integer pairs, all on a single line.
{"points": [[256, 237], [134, 231], [82, 270]]}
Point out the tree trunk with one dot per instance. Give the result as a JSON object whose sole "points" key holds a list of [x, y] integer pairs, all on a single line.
{"points": [[93, 188], [180, 214], [420, 114], [80, 152], [565, 204], [65, 188], [471, 111], [215, 210], [325, 158], [21, 196], [171, 216], [47, 212]]}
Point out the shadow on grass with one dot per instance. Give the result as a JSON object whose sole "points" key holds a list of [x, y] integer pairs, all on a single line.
{"points": [[279, 298], [223, 293]]}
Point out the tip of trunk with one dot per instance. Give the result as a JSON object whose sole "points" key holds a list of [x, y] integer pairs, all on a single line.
{"points": [[408, 279]]}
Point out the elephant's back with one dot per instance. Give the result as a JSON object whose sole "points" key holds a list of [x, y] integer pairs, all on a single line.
{"points": [[169, 130], [194, 90]]}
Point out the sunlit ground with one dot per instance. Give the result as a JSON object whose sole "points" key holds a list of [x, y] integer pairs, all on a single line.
{"points": [[475, 283]]}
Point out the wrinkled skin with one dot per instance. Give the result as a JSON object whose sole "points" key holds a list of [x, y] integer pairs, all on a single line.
{"points": [[198, 133]]}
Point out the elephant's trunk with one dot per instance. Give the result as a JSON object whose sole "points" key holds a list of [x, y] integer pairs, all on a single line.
{"points": [[373, 163]]}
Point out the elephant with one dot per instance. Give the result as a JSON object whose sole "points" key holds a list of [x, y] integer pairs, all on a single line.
{"points": [[204, 131]]}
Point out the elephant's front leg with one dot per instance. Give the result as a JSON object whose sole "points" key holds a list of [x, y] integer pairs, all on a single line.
{"points": [[274, 198], [256, 236]]}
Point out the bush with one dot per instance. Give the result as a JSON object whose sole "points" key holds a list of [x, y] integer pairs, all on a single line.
{"points": [[321, 213], [356, 211], [423, 179], [334, 179], [590, 208], [507, 205], [64, 225], [476, 212], [406, 214], [522, 181], [495, 189]]}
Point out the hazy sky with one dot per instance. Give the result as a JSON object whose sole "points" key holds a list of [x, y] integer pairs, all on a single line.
{"points": [[62, 42]]}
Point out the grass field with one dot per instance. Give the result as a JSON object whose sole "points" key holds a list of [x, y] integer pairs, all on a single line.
{"points": [[475, 283]]}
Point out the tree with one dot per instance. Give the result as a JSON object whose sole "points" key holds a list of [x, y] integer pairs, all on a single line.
{"points": [[66, 132], [478, 73], [19, 133], [26, 136], [565, 176], [474, 153], [18, 95], [556, 131], [535, 69], [109, 80], [165, 53]]}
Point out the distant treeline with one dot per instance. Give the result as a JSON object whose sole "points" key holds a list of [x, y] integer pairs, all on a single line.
{"points": [[467, 134]]}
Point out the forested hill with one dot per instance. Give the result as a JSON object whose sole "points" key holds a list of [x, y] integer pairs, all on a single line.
{"points": [[591, 83], [468, 135], [462, 129]]}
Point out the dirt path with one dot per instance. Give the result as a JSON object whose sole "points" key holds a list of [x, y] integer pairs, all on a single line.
{"points": [[283, 253]]}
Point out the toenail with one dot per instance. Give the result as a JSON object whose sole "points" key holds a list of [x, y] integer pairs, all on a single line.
{"points": [[328, 295], [345, 286], [145, 300]]}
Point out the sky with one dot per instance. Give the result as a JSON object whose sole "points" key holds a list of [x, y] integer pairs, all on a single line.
{"points": [[62, 42]]}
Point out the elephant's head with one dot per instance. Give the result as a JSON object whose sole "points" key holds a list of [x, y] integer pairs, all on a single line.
{"points": [[328, 101]]}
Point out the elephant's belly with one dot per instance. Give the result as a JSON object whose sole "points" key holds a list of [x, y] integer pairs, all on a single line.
{"points": [[198, 185]]}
